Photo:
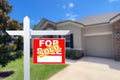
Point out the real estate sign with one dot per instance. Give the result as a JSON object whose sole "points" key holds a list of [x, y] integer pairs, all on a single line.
{"points": [[49, 51]]}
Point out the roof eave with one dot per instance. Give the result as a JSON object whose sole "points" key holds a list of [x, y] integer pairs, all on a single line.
{"points": [[114, 19]]}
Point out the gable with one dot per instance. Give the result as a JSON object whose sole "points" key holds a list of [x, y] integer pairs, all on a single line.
{"points": [[43, 24], [49, 27]]}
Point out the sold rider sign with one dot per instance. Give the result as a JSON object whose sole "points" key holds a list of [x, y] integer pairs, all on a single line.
{"points": [[48, 51]]}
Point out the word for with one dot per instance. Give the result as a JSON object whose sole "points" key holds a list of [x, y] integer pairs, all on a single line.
{"points": [[47, 42]]}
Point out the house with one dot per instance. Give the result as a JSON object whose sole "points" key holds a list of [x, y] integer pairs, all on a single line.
{"points": [[97, 35]]}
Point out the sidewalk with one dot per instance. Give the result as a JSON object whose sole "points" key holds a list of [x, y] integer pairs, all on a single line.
{"points": [[90, 68]]}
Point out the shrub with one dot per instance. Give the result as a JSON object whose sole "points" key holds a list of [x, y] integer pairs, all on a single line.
{"points": [[19, 54], [74, 54]]}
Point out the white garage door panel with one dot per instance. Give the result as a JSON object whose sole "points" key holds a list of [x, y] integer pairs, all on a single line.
{"points": [[100, 46]]}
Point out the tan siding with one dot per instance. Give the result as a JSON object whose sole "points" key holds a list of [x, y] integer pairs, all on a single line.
{"points": [[98, 29]]}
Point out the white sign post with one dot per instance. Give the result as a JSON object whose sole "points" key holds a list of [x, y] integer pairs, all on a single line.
{"points": [[26, 26], [26, 33]]}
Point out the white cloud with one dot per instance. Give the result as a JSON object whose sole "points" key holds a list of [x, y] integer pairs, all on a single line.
{"points": [[71, 16], [66, 6], [71, 5], [113, 1]]}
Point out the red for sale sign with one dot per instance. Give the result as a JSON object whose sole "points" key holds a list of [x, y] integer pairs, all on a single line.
{"points": [[49, 51]]}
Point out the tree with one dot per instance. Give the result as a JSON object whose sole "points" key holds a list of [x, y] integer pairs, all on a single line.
{"points": [[10, 48]]}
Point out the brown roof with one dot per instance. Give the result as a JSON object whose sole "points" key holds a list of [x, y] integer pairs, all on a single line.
{"points": [[98, 19], [91, 20]]}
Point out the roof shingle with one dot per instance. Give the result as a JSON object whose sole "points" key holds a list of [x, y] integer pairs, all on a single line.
{"points": [[97, 19]]}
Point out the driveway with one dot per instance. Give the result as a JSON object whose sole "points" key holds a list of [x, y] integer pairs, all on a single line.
{"points": [[90, 68]]}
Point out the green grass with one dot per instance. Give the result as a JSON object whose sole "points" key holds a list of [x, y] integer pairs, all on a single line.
{"points": [[38, 72], [17, 67]]}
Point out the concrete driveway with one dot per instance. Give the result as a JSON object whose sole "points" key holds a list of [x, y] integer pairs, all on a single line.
{"points": [[90, 68]]}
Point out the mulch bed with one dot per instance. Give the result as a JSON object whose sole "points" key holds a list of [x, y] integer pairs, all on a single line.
{"points": [[5, 74]]}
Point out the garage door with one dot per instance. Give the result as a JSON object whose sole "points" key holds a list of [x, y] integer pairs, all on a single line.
{"points": [[100, 46]]}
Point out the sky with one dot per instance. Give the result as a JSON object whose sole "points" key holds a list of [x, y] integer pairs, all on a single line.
{"points": [[60, 10]]}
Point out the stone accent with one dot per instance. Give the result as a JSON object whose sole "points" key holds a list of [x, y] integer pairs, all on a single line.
{"points": [[116, 36]]}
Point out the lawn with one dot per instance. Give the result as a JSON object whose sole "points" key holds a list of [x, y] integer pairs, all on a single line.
{"points": [[38, 72]]}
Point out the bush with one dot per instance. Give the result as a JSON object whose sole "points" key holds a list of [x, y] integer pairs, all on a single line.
{"points": [[19, 54], [74, 54]]}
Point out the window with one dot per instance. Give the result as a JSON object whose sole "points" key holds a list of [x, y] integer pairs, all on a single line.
{"points": [[69, 40]]}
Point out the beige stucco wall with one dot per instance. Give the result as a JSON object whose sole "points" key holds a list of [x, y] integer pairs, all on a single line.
{"points": [[98, 29], [76, 30]]}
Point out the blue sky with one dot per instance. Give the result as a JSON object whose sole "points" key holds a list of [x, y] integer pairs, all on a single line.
{"points": [[58, 10]]}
